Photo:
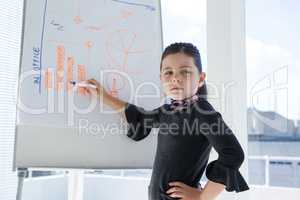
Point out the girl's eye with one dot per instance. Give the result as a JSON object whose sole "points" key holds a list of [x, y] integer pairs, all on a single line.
{"points": [[185, 72], [168, 73]]}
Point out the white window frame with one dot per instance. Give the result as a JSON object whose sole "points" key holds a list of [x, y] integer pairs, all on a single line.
{"points": [[226, 70]]}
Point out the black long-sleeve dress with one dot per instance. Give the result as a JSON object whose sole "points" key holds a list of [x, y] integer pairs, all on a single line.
{"points": [[184, 142]]}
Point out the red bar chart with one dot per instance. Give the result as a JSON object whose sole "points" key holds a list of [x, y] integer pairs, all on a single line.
{"points": [[66, 70]]}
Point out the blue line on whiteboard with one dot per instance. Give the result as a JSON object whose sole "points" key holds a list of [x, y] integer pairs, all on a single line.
{"points": [[152, 8], [42, 41]]}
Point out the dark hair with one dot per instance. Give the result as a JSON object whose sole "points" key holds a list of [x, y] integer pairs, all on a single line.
{"points": [[189, 50]]}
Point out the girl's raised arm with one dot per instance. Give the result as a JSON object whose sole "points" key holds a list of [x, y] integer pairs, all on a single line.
{"points": [[140, 121], [100, 93]]}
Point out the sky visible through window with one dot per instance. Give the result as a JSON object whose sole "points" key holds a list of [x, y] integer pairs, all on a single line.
{"points": [[273, 55], [185, 21]]}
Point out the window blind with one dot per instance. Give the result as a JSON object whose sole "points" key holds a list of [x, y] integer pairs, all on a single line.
{"points": [[10, 38]]}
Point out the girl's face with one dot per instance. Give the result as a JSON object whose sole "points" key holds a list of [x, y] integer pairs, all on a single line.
{"points": [[179, 76]]}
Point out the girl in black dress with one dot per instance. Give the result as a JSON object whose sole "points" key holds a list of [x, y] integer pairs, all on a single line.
{"points": [[189, 127]]}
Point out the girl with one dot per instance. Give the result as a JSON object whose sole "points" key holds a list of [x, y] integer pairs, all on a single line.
{"points": [[189, 127]]}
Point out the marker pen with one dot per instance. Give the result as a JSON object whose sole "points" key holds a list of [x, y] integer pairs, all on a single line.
{"points": [[83, 84]]}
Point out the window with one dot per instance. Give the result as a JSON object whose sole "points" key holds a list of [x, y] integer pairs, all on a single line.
{"points": [[273, 63], [185, 21]]}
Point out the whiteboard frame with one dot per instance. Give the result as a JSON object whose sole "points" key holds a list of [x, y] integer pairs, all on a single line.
{"points": [[18, 82], [14, 165]]}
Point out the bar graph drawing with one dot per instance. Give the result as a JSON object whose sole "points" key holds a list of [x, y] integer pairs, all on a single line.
{"points": [[77, 40]]}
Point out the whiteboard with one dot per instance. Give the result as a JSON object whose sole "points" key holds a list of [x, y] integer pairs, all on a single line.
{"points": [[119, 43]]}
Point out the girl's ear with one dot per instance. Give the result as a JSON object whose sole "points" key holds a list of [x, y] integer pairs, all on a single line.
{"points": [[202, 78]]}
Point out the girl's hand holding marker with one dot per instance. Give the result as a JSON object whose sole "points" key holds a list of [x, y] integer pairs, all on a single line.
{"points": [[91, 86], [80, 84], [95, 89]]}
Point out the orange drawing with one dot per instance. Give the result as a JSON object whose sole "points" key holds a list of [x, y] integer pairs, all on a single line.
{"points": [[61, 76], [94, 28], [114, 91], [48, 78], [124, 15], [65, 43], [60, 58], [77, 19], [88, 44], [70, 64], [81, 76], [120, 45], [116, 83]]}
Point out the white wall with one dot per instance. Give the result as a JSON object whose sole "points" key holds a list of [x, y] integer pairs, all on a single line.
{"points": [[45, 188], [107, 188]]}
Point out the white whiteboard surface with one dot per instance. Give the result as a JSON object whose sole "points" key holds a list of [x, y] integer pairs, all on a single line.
{"points": [[117, 42]]}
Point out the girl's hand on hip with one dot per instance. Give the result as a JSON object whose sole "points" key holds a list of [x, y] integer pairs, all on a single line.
{"points": [[183, 191]]}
